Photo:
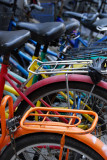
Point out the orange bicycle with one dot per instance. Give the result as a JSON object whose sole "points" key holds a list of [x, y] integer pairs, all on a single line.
{"points": [[47, 140]]}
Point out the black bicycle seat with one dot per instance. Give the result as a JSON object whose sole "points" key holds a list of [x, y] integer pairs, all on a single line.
{"points": [[43, 33], [71, 14], [84, 18], [71, 25], [10, 40], [88, 19]]}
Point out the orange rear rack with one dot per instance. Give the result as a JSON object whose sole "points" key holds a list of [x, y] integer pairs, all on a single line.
{"points": [[59, 127]]}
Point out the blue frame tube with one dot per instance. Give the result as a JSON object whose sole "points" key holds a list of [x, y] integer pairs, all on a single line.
{"points": [[18, 66], [11, 24], [21, 54], [29, 50]]}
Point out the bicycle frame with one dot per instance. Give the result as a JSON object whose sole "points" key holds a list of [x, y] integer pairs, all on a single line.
{"points": [[12, 90], [6, 76], [59, 128], [17, 90]]}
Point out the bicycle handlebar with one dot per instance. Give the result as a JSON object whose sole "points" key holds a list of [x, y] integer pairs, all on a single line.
{"points": [[9, 4], [90, 18]]}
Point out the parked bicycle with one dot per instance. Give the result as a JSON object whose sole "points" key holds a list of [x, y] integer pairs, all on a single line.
{"points": [[73, 91], [57, 99]]}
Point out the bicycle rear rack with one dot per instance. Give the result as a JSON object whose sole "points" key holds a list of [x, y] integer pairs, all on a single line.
{"points": [[94, 49], [54, 126], [62, 67]]}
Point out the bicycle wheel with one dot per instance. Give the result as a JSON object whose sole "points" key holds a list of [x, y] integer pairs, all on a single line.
{"points": [[81, 96], [46, 146]]}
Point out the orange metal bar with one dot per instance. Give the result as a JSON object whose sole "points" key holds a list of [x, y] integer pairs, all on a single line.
{"points": [[72, 119], [51, 123], [45, 116], [2, 114], [67, 154], [62, 146]]}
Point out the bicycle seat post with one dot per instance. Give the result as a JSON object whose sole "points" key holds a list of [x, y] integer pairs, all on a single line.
{"points": [[43, 53], [35, 56], [6, 59], [37, 50]]}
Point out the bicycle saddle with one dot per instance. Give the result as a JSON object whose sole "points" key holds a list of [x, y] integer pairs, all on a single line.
{"points": [[88, 19], [71, 25], [43, 33], [84, 18], [10, 40]]}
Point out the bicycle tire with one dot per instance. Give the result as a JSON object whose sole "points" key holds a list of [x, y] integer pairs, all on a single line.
{"points": [[23, 144]]}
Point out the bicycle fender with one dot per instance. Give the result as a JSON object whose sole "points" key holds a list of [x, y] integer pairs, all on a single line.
{"points": [[59, 78]]}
